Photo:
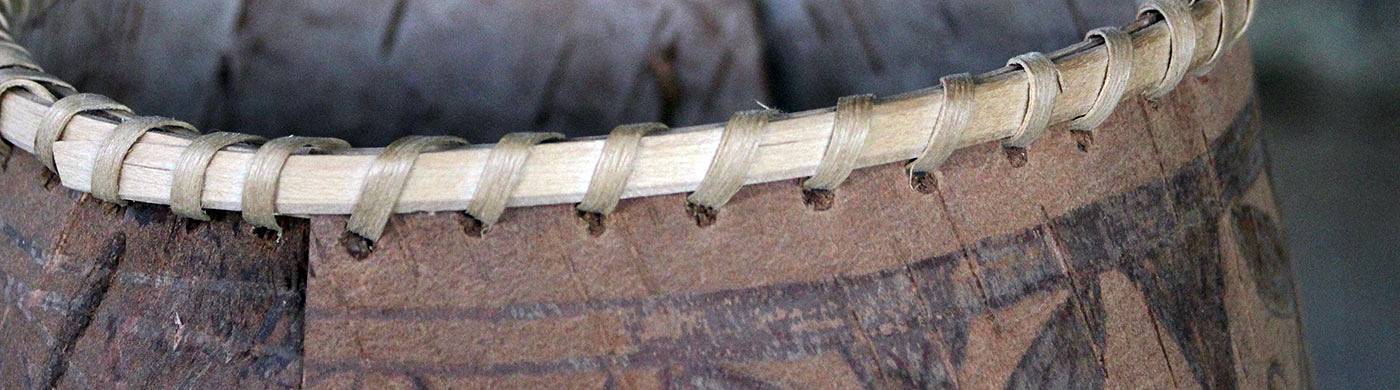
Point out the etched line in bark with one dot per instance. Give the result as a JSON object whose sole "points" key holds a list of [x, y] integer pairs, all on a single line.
{"points": [[506, 313], [25, 244], [853, 322], [1058, 251], [636, 261], [1152, 136], [613, 355], [69, 222], [1176, 215], [97, 283], [963, 244], [1161, 343], [926, 319], [744, 337], [14, 291]]}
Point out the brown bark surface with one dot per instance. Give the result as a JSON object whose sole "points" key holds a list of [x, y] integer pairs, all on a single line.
{"points": [[1150, 259], [96, 296]]}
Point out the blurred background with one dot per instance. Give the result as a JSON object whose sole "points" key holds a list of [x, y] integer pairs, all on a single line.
{"points": [[1330, 91]]}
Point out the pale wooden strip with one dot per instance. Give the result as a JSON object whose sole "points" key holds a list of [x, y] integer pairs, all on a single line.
{"points": [[669, 162]]}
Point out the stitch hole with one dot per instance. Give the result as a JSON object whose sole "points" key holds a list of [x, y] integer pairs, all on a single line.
{"points": [[49, 180], [267, 234], [704, 216], [217, 216], [818, 199], [356, 246], [110, 208], [1016, 156], [923, 182], [191, 225], [472, 227], [1084, 139], [595, 222]]}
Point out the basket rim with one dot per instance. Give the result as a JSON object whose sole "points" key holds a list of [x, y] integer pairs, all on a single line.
{"points": [[669, 162]]}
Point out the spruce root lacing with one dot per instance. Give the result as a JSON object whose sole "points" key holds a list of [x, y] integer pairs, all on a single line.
{"points": [[728, 169]]}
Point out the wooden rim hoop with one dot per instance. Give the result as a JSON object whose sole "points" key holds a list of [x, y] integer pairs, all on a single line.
{"points": [[664, 161]]}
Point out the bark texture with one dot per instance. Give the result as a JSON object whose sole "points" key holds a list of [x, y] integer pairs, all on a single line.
{"points": [[96, 296], [1151, 259]]}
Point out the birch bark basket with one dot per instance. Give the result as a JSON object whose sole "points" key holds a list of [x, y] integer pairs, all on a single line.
{"points": [[1148, 255]]}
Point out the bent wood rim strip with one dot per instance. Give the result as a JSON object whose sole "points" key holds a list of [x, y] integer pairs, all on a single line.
{"points": [[668, 162]]}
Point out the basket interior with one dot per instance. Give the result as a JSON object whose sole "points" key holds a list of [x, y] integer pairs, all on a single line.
{"points": [[375, 72]]}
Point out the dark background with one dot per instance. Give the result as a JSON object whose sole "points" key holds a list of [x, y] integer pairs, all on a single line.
{"points": [[1329, 89]]}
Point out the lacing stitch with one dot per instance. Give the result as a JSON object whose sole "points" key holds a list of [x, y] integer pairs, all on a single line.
{"points": [[501, 174], [848, 138], [959, 104], [615, 165], [1118, 71], [61, 113], [1042, 87], [265, 171], [187, 182], [1182, 30], [107, 164], [738, 145], [385, 181]]}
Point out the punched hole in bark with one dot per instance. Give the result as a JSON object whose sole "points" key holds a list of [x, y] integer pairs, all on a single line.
{"points": [[110, 208], [817, 199], [356, 246], [472, 227], [1016, 156], [704, 216], [191, 224], [49, 180], [923, 182], [596, 223], [1083, 139], [267, 234]]}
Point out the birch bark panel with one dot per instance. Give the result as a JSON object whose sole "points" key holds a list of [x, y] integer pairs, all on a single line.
{"points": [[1115, 276], [101, 296]]}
